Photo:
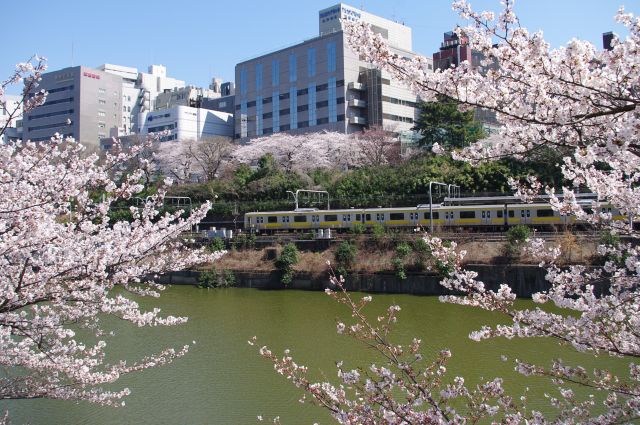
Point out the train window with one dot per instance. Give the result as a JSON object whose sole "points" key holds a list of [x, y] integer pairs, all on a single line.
{"points": [[528, 213], [272, 219], [512, 214], [488, 214], [300, 218], [499, 214], [396, 216], [544, 213], [367, 217], [522, 213], [285, 219], [467, 214], [484, 214], [436, 215], [331, 217], [358, 217]]}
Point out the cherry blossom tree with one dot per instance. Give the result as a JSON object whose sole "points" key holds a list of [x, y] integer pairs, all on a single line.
{"points": [[61, 257], [578, 98], [307, 151], [188, 160]]}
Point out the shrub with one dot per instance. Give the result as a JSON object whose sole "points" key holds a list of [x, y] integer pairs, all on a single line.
{"points": [[358, 229], [345, 257], [516, 238], [215, 279], [217, 244], [285, 262]]}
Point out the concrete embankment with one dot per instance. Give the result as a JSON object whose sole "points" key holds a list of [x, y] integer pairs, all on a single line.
{"points": [[524, 280]]}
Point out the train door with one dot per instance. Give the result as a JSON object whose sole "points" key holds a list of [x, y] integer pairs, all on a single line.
{"points": [[448, 218], [486, 217], [380, 217], [315, 221], [525, 216]]}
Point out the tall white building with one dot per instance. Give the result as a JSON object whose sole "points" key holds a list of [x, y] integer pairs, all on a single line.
{"points": [[11, 118]]}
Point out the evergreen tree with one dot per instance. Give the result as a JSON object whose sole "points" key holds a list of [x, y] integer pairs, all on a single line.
{"points": [[441, 122]]}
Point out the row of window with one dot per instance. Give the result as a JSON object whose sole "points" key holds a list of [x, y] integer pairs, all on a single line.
{"points": [[59, 89], [301, 108], [42, 139], [285, 96], [397, 118], [47, 126], [50, 114], [162, 128], [401, 216], [293, 68], [55, 102], [399, 101], [287, 127]]}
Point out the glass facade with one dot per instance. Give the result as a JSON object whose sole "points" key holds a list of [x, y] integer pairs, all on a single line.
{"points": [[333, 105], [275, 72], [293, 76], [311, 62], [243, 81], [258, 76], [259, 115], [312, 104], [293, 106], [243, 119], [276, 111], [331, 57]]}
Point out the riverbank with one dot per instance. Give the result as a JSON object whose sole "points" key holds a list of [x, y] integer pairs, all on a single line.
{"points": [[524, 279]]}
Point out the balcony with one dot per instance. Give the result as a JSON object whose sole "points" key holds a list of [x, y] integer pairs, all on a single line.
{"points": [[356, 86], [358, 120], [358, 103]]}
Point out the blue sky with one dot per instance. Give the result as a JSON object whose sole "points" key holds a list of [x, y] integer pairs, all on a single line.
{"points": [[199, 39]]}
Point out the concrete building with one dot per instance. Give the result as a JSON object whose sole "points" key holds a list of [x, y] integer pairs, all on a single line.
{"points": [[187, 123], [82, 102], [11, 118], [453, 51], [320, 84], [139, 92]]}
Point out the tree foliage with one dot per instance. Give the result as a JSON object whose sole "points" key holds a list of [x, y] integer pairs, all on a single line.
{"points": [[443, 123]]}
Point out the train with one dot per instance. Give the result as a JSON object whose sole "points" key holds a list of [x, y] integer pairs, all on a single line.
{"points": [[472, 213]]}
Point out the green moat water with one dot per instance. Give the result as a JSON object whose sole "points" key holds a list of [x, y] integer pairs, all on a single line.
{"points": [[224, 381]]}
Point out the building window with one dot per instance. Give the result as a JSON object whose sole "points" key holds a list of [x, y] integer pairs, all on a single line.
{"points": [[251, 104], [285, 127], [322, 104], [321, 121], [266, 100], [303, 108], [312, 104], [331, 57], [292, 68], [303, 124], [259, 116], [284, 96], [293, 105], [243, 80], [311, 62], [340, 100], [275, 109], [340, 118], [243, 120], [275, 72], [284, 111], [102, 101], [302, 92], [267, 115], [321, 87], [333, 109], [258, 76]]}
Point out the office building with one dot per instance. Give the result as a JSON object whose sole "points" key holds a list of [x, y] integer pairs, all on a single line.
{"points": [[187, 123], [320, 84], [82, 102]]}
